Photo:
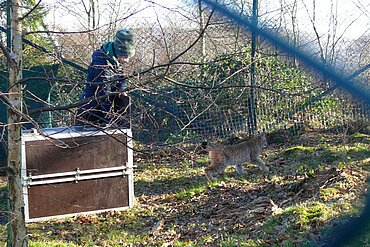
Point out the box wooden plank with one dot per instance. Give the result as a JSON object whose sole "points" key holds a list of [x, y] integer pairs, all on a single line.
{"points": [[90, 152], [84, 196]]}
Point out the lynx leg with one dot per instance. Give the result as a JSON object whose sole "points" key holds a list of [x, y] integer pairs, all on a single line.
{"points": [[214, 167], [260, 163], [239, 169], [208, 173], [221, 168]]}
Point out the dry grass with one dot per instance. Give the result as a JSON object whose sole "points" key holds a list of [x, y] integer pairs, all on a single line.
{"points": [[317, 182]]}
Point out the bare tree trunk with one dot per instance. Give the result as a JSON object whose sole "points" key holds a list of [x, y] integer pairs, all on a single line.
{"points": [[17, 218], [202, 51], [91, 8], [295, 31]]}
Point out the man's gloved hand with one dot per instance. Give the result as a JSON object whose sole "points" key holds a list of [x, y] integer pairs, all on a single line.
{"points": [[119, 83]]}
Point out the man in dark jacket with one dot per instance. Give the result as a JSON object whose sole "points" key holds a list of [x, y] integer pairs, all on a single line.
{"points": [[108, 104]]}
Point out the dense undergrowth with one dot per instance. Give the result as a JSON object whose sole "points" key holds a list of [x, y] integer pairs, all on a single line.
{"points": [[316, 184]]}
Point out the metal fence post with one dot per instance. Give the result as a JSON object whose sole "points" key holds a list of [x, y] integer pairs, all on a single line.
{"points": [[252, 110]]}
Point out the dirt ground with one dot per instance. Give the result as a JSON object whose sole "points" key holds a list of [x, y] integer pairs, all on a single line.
{"points": [[316, 183]]}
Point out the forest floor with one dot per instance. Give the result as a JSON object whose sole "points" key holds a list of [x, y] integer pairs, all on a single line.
{"points": [[315, 187]]}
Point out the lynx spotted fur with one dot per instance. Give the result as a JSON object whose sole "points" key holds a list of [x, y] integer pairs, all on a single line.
{"points": [[237, 154]]}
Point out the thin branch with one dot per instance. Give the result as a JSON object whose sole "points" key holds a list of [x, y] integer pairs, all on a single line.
{"points": [[196, 41], [29, 12], [73, 105], [88, 31]]}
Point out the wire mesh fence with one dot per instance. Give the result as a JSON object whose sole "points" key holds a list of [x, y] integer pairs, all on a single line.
{"points": [[207, 100], [224, 107], [181, 90]]}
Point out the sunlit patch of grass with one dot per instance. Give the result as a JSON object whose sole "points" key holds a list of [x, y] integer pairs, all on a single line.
{"points": [[178, 243], [108, 229], [167, 177], [3, 234], [358, 137], [192, 191], [229, 240], [293, 151], [307, 159], [244, 180], [300, 220], [357, 153], [301, 159], [328, 194], [50, 244], [313, 214]]}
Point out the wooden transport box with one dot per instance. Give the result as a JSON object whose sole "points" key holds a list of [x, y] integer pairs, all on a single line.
{"points": [[75, 170]]}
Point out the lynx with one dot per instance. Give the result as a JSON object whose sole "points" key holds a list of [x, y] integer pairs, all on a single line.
{"points": [[222, 156]]}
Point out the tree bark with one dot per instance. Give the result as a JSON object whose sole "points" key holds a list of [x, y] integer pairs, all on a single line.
{"points": [[17, 218]]}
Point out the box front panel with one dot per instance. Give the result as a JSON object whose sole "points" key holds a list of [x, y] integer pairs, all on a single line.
{"points": [[91, 152], [68, 198]]}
